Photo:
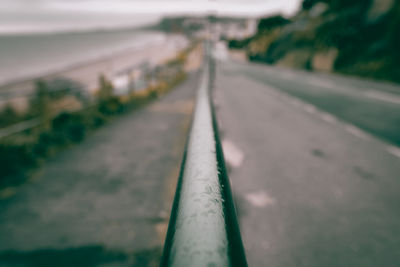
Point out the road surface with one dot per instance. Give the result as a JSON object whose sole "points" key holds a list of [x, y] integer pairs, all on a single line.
{"points": [[312, 189]]}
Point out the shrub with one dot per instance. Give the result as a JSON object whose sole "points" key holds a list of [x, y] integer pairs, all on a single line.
{"points": [[111, 106], [43, 144], [95, 119], [8, 116], [69, 127], [15, 158]]}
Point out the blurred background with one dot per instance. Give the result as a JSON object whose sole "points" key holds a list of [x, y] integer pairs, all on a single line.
{"points": [[96, 99]]}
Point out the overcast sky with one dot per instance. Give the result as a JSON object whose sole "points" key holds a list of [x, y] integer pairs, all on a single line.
{"points": [[48, 15]]}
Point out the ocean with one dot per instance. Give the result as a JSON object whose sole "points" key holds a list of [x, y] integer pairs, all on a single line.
{"points": [[24, 56]]}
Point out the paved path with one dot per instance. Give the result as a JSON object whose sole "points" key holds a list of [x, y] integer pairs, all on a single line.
{"points": [[107, 200], [311, 189]]}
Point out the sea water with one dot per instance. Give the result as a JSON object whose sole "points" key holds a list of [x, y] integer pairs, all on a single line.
{"points": [[24, 56]]}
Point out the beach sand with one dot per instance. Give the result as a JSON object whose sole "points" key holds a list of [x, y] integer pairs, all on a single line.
{"points": [[19, 93]]}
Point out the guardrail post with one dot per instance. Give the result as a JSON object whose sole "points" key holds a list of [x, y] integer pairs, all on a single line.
{"points": [[203, 228]]}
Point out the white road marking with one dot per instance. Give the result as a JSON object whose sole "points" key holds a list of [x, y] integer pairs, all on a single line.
{"points": [[332, 119], [295, 102], [392, 98], [260, 199], [328, 117], [395, 151], [310, 108], [355, 131], [233, 155]]}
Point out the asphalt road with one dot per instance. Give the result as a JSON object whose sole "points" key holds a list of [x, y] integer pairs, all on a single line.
{"points": [[313, 165], [106, 201], [369, 105]]}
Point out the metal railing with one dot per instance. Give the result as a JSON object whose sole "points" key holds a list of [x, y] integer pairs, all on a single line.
{"points": [[203, 228]]}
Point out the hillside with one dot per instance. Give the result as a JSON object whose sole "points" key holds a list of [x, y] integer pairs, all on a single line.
{"points": [[359, 37]]}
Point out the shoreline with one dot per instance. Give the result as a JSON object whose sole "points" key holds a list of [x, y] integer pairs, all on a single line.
{"points": [[87, 71], [92, 60], [126, 28]]}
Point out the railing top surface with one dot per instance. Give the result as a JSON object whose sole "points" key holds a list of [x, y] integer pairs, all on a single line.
{"points": [[203, 229]]}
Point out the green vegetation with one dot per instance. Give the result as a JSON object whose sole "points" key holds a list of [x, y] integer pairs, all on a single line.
{"points": [[189, 25], [43, 103], [354, 37], [86, 256], [23, 152], [270, 23], [239, 44], [9, 116]]}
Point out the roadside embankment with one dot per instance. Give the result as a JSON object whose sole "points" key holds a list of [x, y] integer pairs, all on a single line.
{"points": [[350, 37], [25, 150]]}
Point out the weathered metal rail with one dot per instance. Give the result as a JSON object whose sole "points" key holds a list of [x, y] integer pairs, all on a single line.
{"points": [[203, 228]]}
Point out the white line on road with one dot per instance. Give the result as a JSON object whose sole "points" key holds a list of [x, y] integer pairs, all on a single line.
{"points": [[355, 131], [328, 117], [395, 151], [383, 96], [295, 102], [310, 108], [233, 155], [260, 199]]}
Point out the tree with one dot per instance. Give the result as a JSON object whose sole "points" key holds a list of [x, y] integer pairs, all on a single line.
{"points": [[266, 24], [105, 90], [41, 103]]}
